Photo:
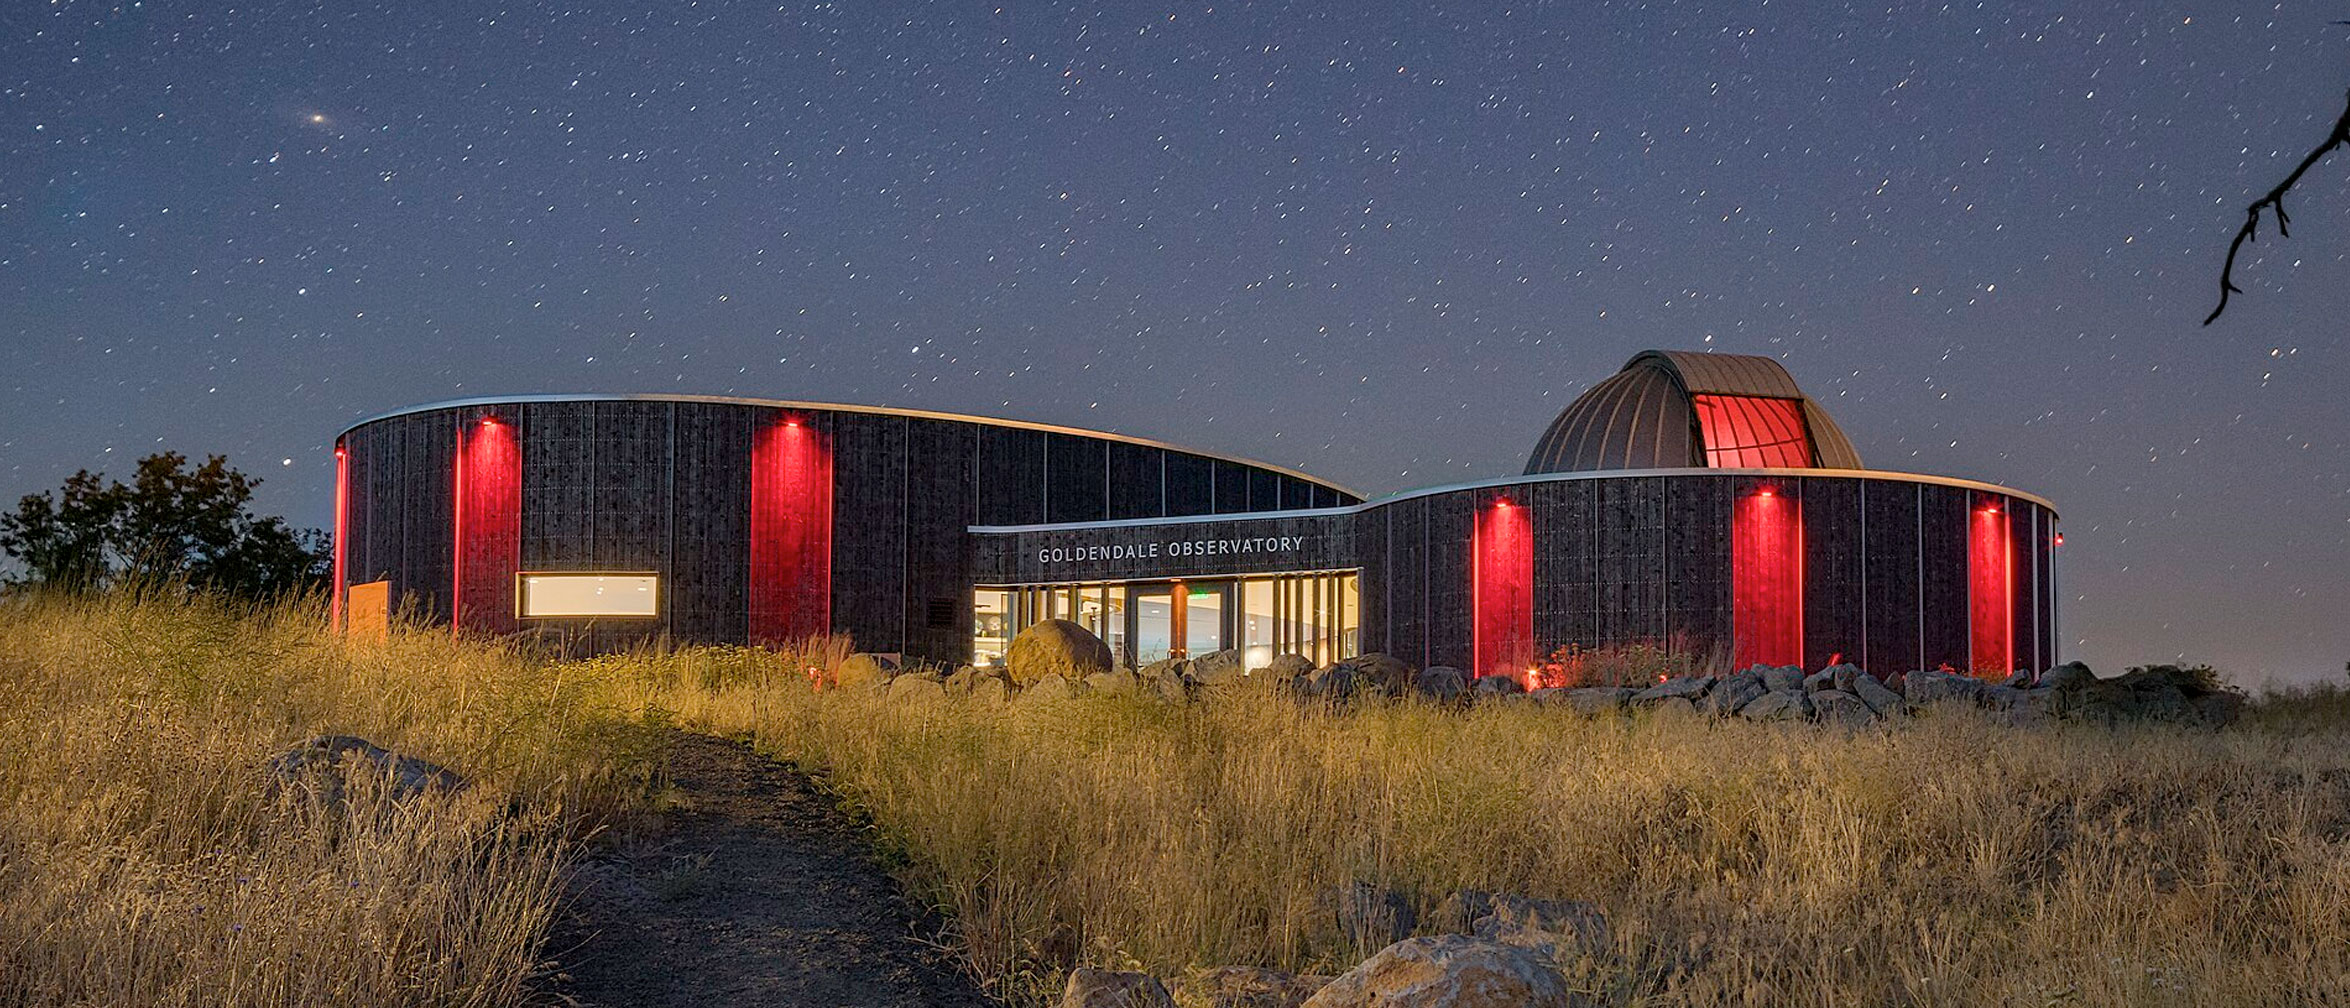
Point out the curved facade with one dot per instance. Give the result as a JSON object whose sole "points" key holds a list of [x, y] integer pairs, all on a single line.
{"points": [[936, 536], [756, 520]]}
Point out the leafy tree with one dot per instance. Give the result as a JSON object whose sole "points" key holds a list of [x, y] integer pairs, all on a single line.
{"points": [[174, 521]]}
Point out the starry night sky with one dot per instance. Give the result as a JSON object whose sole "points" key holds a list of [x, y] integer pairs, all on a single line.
{"points": [[1384, 243]]}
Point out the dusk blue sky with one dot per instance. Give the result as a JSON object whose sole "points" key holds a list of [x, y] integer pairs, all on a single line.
{"points": [[1383, 243]]}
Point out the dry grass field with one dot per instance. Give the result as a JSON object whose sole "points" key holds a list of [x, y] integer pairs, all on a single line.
{"points": [[145, 858]]}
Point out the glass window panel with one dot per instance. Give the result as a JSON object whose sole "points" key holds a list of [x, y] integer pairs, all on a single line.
{"points": [[1257, 619], [1203, 619], [634, 596], [1154, 624], [991, 626]]}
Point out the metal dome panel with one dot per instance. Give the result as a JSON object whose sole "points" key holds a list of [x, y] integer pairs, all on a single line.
{"points": [[1645, 415]]}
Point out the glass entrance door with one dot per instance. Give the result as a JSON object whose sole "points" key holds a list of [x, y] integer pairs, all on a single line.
{"points": [[1154, 623]]}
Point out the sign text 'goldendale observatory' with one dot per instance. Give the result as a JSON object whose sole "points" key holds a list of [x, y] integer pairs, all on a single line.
{"points": [[1176, 548]]}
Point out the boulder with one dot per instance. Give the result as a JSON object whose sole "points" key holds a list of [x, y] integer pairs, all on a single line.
{"points": [[1845, 675], [1781, 678], [321, 760], [1820, 680], [1369, 916], [1288, 666], [1598, 699], [1383, 673], [916, 686], [1056, 647], [1219, 668], [1092, 988], [1788, 705], [1498, 686], [1878, 696], [1171, 688], [2019, 679], [1688, 687], [1732, 693], [1839, 707], [1442, 683], [1117, 682], [992, 689], [1669, 708], [1047, 689], [1449, 971], [1164, 667], [864, 670], [2001, 698], [1930, 686], [1248, 987], [2068, 676]]}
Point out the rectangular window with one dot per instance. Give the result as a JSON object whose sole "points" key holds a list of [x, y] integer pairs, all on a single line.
{"points": [[991, 625], [573, 595]]}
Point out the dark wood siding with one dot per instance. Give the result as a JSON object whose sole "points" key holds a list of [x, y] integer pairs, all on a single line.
{"points": [[1942, 527], [1191, 484], [939, 506], [1697, 563], [1834, 571], [1010, 476], [1137, 489], [1075, 479], [710, 525], [1891, 570]]}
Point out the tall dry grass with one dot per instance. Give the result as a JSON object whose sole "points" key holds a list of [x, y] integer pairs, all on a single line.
{"points": [[1949, 861], [146, 858]]}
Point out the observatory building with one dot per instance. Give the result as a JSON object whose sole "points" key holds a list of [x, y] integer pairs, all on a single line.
{"points": [[1692, 501]]}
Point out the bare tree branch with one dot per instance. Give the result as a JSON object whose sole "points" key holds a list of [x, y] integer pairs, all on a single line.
{"points": [[2275, 200]]}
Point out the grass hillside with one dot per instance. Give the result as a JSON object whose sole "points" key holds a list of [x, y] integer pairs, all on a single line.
{"points": [[146, 859]]}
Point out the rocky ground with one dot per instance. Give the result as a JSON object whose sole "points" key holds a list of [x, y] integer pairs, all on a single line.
{"points": [[754, 889]]}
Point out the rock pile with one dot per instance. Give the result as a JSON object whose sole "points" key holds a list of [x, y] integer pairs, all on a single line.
{"points": [[1057, 659]]}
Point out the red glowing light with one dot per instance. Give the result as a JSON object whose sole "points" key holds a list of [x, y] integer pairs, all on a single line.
{"points": [[488, 547], [1991, 594], [791, 534], [1501, 589], [334, 594], [1766, 581], [2060, 539]]}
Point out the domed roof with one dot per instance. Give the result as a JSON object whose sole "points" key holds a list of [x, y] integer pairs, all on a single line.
{"points": [[1672, 409]]}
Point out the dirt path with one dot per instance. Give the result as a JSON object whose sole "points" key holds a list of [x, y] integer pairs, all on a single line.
{"points": [[755, 891]]}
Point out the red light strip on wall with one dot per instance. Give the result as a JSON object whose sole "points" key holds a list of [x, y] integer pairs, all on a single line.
{"points": [[1501, 590], [334, 606], [1990, 590], [791, 533], [1766, 579], [488, 527]]}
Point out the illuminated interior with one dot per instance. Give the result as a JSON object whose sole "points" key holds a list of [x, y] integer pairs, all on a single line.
{"points": [[574, 595], [1316, 615], [1752, 432]]}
